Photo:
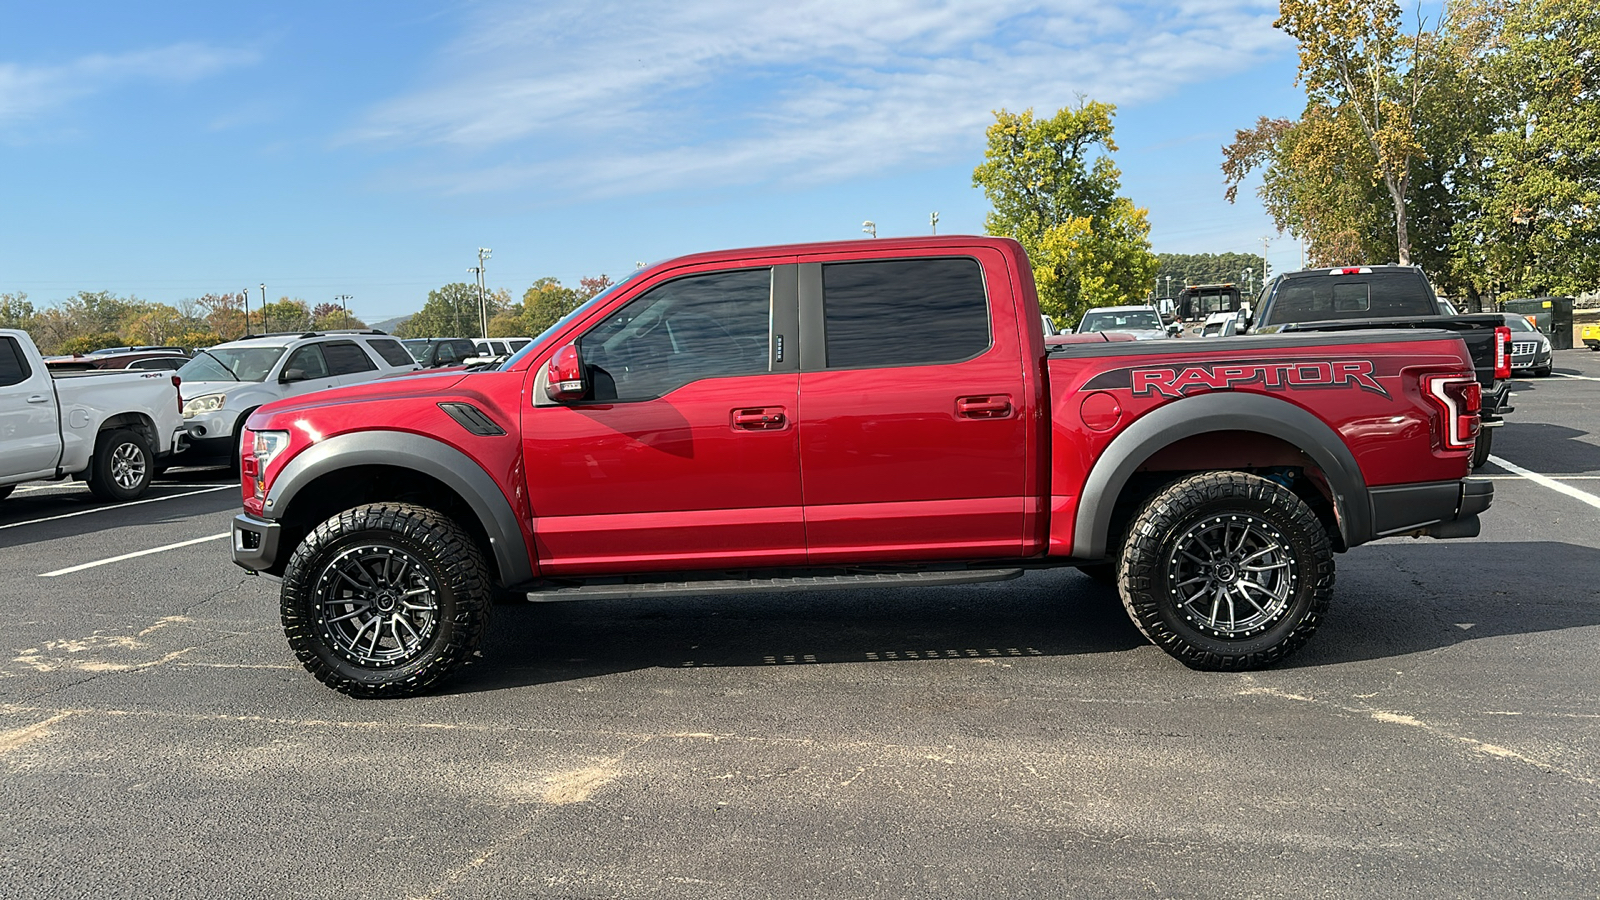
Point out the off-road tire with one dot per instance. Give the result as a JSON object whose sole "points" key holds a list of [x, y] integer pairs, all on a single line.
{"points": [[1482, 446], [123, 465], [1196, 544], [339, 581]]}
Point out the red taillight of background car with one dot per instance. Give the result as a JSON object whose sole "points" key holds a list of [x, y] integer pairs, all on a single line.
{"points": [[1459, 399], [1502, 352]]}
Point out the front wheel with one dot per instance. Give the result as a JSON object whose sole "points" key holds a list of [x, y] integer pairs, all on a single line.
{"points": [[1544, 371], [385, 600], [124, 462], [1227, 571]]}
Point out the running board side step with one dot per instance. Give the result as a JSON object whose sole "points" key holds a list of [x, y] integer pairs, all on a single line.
{"points": [[619, 590]]}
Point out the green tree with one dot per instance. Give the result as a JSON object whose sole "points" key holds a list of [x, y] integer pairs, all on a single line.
{"points": [[1538, 200], [282, 315], [450, 311], [15, 311], [545, 303], [1206, 268], [87, 343], [156, 325], [1053, 188], [1357, 63]]}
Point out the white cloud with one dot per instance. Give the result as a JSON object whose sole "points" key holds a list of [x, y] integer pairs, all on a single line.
{"points": [[618, 97], [29, 91]]}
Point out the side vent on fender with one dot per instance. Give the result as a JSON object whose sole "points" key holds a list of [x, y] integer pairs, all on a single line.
{"points": [[472, 419]]}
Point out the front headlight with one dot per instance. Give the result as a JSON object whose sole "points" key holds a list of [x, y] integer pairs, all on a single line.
{"points": [[203, 404], [263, 449]]}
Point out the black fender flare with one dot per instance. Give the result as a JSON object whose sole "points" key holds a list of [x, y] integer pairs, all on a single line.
{"points": [[456, 470], [1220, 411]]}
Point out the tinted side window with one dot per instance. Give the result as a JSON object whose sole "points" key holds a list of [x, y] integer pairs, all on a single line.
{"points": [[306, 363], [702, 326], [347, 358], [13, 367], [904, 312], [393, 353]]}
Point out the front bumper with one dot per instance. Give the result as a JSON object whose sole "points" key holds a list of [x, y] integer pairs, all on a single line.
{"points": [[255, 543], [1442, 509]]}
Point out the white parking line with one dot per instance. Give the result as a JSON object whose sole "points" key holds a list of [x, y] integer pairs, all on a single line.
{"points": [[1580, 377], [100, 509], [104, 562], [1550, 483]]}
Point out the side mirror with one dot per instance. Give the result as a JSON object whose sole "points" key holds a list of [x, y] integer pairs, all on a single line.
{"points": [[1173, 328], [291, 375], [563, 378]]}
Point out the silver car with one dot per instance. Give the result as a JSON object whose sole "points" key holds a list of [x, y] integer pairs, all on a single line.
{"points": [[1530, 349]]}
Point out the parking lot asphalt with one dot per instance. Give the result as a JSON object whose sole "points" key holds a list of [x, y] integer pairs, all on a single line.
{"points": [[1436, 738]]}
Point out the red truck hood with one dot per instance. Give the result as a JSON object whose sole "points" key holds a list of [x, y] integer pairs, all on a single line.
{"points": [[422, 383]]}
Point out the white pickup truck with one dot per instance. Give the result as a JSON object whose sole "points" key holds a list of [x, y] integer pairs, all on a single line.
{"points": [[105, 427]]}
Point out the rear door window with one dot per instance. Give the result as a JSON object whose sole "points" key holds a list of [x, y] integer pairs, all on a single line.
{"points": [[347, 358], [393, 353], [911, 312]]}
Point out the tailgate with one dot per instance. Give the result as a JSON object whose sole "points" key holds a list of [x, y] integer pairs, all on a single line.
{"points": [[1476, 330]]}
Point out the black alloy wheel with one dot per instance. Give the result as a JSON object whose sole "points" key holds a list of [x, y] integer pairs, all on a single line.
{"points": [[1227, 571], [385, 600]]}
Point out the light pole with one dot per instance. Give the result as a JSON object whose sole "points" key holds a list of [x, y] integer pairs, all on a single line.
{"points": [[345, 306], [264, 325], [246, 295], [483, 308], [933, 221], [1169, 285], [870, 227]]}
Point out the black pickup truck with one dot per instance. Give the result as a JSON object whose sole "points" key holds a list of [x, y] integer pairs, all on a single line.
{"points": [[1352, 298]]}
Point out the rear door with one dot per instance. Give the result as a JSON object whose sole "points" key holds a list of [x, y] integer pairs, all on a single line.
{"points": [[349, 362], [30, 439], [684, 453], [912, 410]]}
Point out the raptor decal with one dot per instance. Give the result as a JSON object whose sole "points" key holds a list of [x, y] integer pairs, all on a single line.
{"points": [[1176, 382]]}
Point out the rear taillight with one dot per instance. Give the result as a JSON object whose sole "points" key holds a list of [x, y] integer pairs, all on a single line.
{"points": [[1459, 399], [176, 389], [1502, 352]]}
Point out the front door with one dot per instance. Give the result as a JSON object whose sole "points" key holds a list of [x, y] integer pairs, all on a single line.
{"points": [[683, 454], [30, 435], [913, 426]]}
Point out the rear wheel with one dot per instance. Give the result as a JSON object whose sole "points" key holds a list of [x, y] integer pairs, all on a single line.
{"points": [[385, 600], [1227, 571], [1481, 447], [124, 462]]}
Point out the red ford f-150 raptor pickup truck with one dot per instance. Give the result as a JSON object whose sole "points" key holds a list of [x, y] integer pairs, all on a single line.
{"points": [[761, 419]]}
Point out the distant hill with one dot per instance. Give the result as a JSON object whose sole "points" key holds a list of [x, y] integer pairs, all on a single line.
{"points": [[389, 325]]}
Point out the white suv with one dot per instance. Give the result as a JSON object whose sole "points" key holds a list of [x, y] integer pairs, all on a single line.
{"points": [[224, 384]]}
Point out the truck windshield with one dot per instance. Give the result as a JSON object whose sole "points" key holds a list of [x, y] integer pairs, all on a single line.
{"points": [[1374, 295], [1110, 321], [231, 364]]}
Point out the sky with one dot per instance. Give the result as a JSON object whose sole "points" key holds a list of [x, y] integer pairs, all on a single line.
{"points": [[166, 150]]}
